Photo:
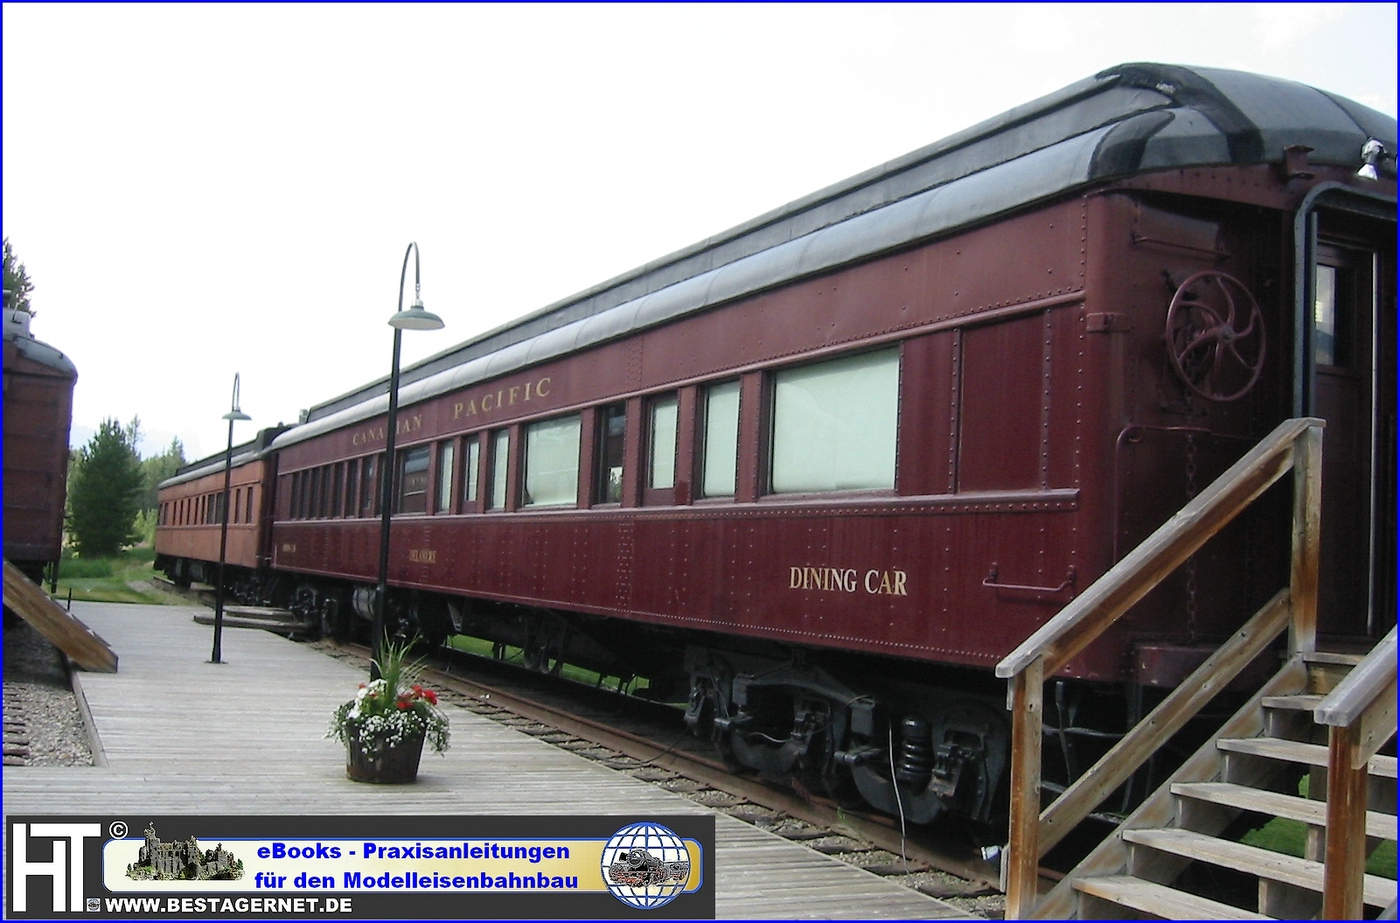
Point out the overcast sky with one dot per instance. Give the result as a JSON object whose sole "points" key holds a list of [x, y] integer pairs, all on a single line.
{"points": [[199, 190]]}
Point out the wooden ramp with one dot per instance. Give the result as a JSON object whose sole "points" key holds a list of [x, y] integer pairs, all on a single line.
{"points": [[80, 643]]}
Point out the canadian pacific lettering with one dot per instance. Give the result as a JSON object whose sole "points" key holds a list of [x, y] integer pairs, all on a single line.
{"points": [[489, 401], [409, 424]]}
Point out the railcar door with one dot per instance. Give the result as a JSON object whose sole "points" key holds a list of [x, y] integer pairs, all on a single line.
{"points": [[1348, 360]]}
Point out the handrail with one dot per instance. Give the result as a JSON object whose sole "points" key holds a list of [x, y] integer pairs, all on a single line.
{"points": [[1367, 682], [1084, 619], [1360, 717], [1294, 445]]}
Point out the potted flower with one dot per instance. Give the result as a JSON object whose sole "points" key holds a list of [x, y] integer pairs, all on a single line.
{"points": [[386, 724]]}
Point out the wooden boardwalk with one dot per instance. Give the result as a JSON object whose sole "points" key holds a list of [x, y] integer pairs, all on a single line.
{"points": [[179, 735]]}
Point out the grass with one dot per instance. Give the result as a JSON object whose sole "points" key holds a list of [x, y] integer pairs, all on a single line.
{"points": [[1291, 837], [484, 648], [123, 579]]}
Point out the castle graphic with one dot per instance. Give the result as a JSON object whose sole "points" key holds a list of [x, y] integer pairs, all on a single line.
{"points": [[183, 861]]}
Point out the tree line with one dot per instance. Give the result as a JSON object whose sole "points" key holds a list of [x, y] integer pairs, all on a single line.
{"points": [[113, 494]]}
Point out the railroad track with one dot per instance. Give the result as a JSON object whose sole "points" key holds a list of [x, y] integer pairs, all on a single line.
{"points": [[650, 742]]}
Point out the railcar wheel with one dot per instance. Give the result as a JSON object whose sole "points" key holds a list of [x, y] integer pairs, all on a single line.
{"points": [[334, 623], [306, 606], [1215, 336]]}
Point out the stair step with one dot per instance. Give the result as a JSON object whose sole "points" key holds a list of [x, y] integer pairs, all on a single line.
{"points": [[1162, 901], [1334, 657], [1263, 863], [1303, 810], [262, 612], [1292, 702], [1295, 752]]}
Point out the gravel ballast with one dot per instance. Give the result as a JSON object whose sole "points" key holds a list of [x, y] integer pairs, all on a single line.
{"points": [[43, 726]]}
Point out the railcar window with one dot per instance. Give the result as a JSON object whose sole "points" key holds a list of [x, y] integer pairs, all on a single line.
{"points": [[551, 462], [367, 485], [413, 480], [446, 471], [612, 438], [661, 452], [1332, 335], [834, 424], [352, 477], [721, 448], [500, 458], [237, 502], [472, 469], [248, 510], [337, 488]]}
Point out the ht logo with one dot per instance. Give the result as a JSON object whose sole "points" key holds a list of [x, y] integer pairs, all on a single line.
{"points": [[65, 868]]}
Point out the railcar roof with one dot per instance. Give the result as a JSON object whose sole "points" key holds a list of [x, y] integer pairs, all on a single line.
{"points": [[1134, 118]]}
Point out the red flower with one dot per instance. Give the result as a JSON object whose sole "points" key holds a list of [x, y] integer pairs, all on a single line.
{"points": [[431, 696], [404, 705]]}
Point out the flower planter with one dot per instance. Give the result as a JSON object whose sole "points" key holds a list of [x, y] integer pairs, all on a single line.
{"points": [[397, 765]]}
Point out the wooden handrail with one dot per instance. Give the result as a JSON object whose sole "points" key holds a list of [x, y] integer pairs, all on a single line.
{"points": [[1084, 619], [1360, 717], [1361, 688], [1171, 714], [1294, 445]]}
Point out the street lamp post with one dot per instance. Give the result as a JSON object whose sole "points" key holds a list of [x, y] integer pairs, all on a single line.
{"points": [[232, 416], [415, 318]]}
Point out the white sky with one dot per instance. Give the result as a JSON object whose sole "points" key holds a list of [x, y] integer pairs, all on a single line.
{"points": [[209, 189]]}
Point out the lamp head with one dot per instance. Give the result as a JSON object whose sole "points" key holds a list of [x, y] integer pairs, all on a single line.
{"points": [[416, 318], [1371, 153], [236, 415]]}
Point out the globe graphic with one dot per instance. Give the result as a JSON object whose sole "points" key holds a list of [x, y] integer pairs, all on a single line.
{"points": [[645, 865]]}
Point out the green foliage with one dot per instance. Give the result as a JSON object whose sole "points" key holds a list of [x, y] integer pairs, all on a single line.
{"points": [[104, 493], [145, 527], [157, 468], [17, 284], [85, 568], [1290, 837], [126, 578]]}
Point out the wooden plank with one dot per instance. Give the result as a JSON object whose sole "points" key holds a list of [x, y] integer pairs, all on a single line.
{"points": [[71, 636], [1111, 856], [1307, 537], [1291, 702], [1170, 715], [1277, 804], [1345, 864], [1262, 863], [1022, 850], [1297, 752], [1161, 901], [1366, 698]]}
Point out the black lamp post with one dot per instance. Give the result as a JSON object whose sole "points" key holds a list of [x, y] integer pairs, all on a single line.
{"points": [[415, 318], [232, 416]]}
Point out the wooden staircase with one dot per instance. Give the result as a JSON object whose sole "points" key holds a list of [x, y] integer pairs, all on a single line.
{"points": [[1323, 716]]}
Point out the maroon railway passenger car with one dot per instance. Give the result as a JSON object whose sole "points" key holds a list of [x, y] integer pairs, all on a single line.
{"points": [[39, 383], [822, 471], [191, 516]]}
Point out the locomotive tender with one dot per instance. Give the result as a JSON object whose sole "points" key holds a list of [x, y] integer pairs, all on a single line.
{"points": [[816, 475]]}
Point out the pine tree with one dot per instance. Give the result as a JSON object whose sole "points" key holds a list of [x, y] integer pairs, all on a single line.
{"points": [[105, 494], [158, 468], [17, 283]]}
